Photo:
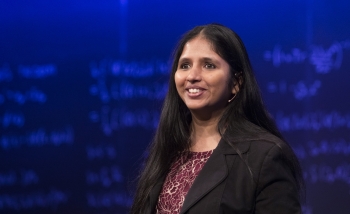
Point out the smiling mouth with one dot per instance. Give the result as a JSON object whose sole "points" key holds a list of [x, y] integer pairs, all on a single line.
{"points": [[194, 90]]}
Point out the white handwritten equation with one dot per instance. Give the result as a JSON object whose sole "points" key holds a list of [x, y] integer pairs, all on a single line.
{"points": [[324, 173], [12, 118], [27, 72], [106, 182], [313, 149], [38, 138], [21, 97], [126, 78], [33, 72], [108, 199], [23, 177], [312, 121], [315, 156], [128, 90], [104, 176], [123, 83], [323, 59], [43, 199], [23, 201], [112, 119], [119, 68], [300, 90], [101, 151]]}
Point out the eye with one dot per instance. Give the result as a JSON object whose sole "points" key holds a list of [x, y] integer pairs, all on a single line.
{"points": [[209, 65], [184, 66]]}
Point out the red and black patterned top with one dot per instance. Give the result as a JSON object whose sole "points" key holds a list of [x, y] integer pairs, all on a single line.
{"points": [[179, 180]]}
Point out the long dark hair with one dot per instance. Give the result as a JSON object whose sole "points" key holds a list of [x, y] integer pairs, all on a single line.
{"points": [[173, 133]]}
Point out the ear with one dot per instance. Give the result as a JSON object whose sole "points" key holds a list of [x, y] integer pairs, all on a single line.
{"points": [[237, 82], [235, 88]]}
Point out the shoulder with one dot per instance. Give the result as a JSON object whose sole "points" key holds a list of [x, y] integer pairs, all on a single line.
{"points": [[260, 140], [258, 146], [274, 171], [257, 140], [268, 144], [269, 147], [264, 150], [270, 159]]}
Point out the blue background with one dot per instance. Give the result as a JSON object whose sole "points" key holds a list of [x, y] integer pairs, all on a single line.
{"points": [[82, 82]]}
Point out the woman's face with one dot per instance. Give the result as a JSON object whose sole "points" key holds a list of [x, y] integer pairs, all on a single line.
{"points": [[202, 77]]}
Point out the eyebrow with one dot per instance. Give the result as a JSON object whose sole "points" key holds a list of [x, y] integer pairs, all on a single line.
{"points": [[210, 59], [202, 59], [183, 59]]}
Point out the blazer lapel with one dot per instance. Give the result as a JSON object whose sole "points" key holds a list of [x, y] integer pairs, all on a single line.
{"points": [[154, 194], [213, 172]]}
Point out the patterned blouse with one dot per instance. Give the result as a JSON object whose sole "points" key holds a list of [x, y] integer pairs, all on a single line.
{"points": [[179, 180]]}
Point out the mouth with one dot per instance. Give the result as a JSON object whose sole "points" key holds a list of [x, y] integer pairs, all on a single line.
{"points": [[194, 90]]}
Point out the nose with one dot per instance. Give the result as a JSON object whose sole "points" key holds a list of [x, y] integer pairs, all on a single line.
{"points": [[194, 74]]}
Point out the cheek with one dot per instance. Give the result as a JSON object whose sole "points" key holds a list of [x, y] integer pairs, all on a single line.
{"points": [[223, 85], [179, 79]]}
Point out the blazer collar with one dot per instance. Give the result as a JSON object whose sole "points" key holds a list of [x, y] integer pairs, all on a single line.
{"points": [[213, 172], [154, 194]]}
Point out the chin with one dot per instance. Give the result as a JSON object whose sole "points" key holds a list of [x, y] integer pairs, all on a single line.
{"points": [[194, 106]]}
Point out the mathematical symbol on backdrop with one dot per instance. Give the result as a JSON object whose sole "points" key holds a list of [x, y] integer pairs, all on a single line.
{"points": [[300, 90], [324, 60]]}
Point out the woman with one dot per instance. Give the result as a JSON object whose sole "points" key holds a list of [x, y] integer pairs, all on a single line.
{"points": [[216, 149]]}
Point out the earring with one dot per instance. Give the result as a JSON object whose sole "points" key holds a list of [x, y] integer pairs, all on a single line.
{"points": [[230, 100]]}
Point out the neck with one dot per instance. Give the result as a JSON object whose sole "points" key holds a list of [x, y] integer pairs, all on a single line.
{"points": [[204, 136]]}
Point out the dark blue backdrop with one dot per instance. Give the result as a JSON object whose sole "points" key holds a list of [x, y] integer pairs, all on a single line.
{"points": [[82, 82]]}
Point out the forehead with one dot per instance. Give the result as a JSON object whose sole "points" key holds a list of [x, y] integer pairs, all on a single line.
{"points": [[198, 46]]}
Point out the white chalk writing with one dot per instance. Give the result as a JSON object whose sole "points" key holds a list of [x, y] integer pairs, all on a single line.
{"points": [[113, 118], [128, 90], [312, 121], [37, 71], [108, 199], [42, 199], [324, 60], [300, 90], [121, 80], [100, 152], [329, 147], [33, 95], [328, 174], [120, 68], [105, 176], [323, 147], [277, 56], [12, 118], [21, 177], [38, 138]]}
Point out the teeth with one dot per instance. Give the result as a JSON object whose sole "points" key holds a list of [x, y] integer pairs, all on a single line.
{"points": [[193, 90]]}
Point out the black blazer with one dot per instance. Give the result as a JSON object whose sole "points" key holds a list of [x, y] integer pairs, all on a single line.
{"points": [[226, 185]]}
